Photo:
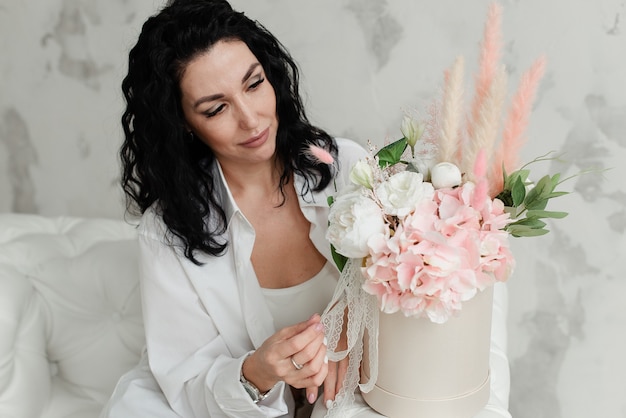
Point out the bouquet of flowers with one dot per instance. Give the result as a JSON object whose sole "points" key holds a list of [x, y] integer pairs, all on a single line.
{"points": [[425, 224], [427, 245]]}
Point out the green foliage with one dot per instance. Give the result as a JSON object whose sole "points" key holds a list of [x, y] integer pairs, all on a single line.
{"points": [[340, 260], [527, 201], [391, 154]]}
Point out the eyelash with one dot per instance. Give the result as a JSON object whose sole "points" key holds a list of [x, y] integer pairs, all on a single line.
{"points": [[215, 112], [252, 86], [256, 83]]}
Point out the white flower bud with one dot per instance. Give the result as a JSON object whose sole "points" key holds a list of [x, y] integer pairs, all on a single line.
{"points": [[362, 175], [412, 130], [444, 175]]}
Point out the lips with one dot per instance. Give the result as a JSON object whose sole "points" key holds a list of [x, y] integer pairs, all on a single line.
{"points": [[257, 140]]}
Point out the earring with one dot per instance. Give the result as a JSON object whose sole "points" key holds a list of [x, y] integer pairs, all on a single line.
{"points": [[190, 136]]}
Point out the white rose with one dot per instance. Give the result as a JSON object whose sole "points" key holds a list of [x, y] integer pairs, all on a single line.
{"points": [[402, 192], [445, 175], [362, 174], [353, 219]]}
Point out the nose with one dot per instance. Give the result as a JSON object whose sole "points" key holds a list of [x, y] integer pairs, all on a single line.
{"points": [[248, 116]]}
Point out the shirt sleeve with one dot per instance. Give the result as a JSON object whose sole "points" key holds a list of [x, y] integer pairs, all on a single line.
{"points": [[188, 357], [350, 152]]}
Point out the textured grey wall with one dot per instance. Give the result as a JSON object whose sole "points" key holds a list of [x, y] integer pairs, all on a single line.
{"points": [[363, 63]]}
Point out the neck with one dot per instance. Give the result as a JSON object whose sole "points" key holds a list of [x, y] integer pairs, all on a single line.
{"points": [[261, 180]]}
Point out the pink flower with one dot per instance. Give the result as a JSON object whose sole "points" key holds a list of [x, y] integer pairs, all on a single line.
{"points": [[440, 255]]}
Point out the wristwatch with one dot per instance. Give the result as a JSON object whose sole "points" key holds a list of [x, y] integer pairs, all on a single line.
{"points": [[253, 391]]}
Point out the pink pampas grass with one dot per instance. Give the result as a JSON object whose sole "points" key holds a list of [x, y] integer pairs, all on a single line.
{"points": [[319, 155], [486, 125], [488, 63], [482, 185], [513, 139]]}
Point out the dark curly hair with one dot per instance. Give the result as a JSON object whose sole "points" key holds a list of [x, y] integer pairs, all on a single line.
{"points": [[159, 162]]}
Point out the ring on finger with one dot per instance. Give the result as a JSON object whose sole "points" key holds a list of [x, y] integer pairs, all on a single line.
{"points": [[296, 365]]}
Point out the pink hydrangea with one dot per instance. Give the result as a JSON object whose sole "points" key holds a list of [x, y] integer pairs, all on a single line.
{"points": [[431, 261]]}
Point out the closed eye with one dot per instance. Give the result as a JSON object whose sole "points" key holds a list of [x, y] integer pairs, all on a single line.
{"points": [[211, 113], [256, 83]]}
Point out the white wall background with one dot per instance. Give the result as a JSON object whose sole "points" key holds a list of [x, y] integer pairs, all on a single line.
{"points": [[363, 63]]}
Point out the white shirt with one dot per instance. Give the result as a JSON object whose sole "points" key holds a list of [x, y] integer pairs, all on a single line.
{"points": [[201, 321]]}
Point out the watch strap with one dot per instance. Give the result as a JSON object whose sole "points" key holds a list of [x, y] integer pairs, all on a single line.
{"points": [[255, 394]]}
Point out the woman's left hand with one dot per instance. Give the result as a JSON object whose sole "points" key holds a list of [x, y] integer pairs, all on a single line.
{"points": [[337, 370], [334, 379]]}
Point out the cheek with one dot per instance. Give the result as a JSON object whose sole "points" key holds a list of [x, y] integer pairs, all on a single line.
{"points": [[212, 133], [217, 135], [270, 98]]}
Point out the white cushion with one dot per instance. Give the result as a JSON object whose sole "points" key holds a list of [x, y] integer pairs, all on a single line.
{"points": [[70, 314]]}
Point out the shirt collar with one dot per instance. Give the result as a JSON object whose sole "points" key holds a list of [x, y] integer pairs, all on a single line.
{"points": [[225, 197], [309, 199]]}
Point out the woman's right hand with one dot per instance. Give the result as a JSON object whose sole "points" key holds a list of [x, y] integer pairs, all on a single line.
{"points": [[303, 343]]}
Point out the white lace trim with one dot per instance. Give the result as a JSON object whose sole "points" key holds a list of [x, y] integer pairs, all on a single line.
{"points": [[363, 313]]}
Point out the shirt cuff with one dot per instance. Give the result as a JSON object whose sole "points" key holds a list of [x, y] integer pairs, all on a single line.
{"points": [[233, 399]]}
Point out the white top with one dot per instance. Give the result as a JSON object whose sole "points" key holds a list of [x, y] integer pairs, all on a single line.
{"points": [[295, 304]]}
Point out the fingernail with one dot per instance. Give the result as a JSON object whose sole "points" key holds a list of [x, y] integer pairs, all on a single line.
{"points": [[325, 342], [311, 398], [319, 327], [329, 404], [326, 359]]}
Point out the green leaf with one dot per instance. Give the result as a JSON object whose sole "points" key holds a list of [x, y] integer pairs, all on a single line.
{"points": [[537, 204], [544, 183], [527, 232], [330, 200], [556, 194], [537, 198], [555, 180], [392, 153], [339, 259], [533, 223], [511, 179], [546, 214], [518, 192]]}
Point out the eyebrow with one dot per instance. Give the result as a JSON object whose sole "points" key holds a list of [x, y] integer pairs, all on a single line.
{"points": [[212, 97], [250, 71]]}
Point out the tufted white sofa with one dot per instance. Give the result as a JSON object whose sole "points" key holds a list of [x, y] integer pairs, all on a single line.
{"points": [[70, 314]]}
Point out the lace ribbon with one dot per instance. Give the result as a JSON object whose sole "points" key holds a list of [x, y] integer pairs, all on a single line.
{"points": [[361, 310]]}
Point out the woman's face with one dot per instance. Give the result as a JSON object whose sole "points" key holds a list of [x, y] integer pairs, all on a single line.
{"points": [[230, 105]]}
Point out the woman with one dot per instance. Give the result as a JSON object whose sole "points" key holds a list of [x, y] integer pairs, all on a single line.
{"points": [[234, 264]]}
